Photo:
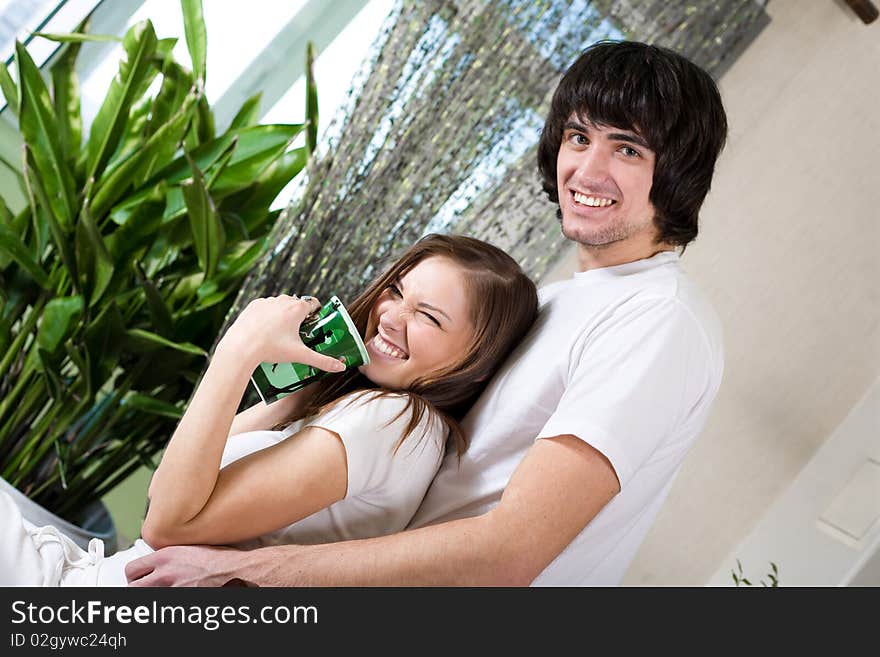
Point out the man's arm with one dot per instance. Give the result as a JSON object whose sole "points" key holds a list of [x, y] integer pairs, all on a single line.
{"points": [[560, 485]]}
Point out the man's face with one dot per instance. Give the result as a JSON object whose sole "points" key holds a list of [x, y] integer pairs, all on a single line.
{"points": [[604, 176]]}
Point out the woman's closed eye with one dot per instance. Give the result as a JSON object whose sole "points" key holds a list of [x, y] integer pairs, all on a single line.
{"points": [[431, 318], [393, 290]]}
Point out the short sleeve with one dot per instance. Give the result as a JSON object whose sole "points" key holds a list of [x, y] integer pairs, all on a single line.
{"points": [[632, 380], [370, 427]]}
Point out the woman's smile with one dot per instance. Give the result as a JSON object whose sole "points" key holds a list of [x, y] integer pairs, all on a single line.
{"points": [[381, 346], [421, 324]]}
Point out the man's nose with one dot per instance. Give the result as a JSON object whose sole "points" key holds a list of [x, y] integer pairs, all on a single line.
{"points": [[592, 164]]}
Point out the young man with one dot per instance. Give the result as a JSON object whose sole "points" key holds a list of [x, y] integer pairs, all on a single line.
{"points": [[576, 442]]}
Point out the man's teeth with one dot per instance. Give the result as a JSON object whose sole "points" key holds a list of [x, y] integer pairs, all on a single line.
{"points": [[593, 201], [388, 349]]}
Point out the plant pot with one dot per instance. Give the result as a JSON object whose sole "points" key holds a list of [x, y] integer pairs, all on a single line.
{"points": [[95, 521]]}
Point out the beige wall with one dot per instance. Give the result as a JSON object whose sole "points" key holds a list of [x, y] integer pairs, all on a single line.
{"points": [[788, 252]]}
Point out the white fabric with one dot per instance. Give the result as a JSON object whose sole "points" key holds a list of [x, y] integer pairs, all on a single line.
{"points": [[42, 556], [626, 358], [384, 490]]}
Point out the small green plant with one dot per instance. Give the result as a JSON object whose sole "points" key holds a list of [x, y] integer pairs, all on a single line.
{"points": [[741, 580]]}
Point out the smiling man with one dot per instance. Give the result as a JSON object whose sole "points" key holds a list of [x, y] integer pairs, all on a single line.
{"points": [[575, 443]]}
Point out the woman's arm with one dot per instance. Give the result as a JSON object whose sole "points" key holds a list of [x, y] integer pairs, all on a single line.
{"points": [[264, 491], [267, 330], [265, 416]]}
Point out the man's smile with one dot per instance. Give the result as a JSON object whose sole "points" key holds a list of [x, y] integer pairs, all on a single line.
{"points": [[592, 200]]}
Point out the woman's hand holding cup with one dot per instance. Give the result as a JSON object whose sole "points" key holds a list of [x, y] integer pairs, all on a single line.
{"points": [[267, 330]]}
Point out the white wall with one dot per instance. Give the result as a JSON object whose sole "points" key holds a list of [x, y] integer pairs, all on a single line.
{"points": [[791, 533]]}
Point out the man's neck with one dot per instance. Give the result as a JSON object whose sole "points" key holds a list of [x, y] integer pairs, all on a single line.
{"points": [[591, 257]]}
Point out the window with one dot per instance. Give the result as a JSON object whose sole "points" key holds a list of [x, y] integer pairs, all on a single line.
{"points": [[257, 46]]}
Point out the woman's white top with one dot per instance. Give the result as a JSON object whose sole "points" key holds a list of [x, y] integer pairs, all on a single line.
{"points": [[384, 487]]}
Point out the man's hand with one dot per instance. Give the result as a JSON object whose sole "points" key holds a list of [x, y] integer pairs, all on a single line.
{"points": [[184, 565]]}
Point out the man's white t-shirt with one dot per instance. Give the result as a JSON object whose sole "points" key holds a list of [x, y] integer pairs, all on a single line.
{"points": [[627, 358]]}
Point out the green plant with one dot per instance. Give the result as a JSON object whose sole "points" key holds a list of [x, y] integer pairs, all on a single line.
{"points": [[740, 580], [117, 276]]}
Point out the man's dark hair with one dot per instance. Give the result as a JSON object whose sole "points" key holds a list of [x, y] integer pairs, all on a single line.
{"points": [[669, 101]]}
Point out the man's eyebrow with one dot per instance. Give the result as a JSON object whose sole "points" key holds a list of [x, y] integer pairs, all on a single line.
{"points": [[399, 282], [629, 137], [574, 125]]}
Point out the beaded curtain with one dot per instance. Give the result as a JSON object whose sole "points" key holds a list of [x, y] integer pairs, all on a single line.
{"points": [[439, 132]]}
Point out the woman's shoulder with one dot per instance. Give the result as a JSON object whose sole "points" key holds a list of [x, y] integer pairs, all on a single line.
{"points": [[384, 399], [381, 409]]}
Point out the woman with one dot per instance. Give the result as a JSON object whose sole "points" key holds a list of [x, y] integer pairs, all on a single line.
{"points": [[350, 456]]}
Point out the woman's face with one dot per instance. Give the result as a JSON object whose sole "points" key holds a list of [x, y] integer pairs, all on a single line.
{"points": [[420, 324]]}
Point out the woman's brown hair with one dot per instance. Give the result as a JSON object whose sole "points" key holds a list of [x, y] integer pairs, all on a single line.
{"points": [[503, 303]]}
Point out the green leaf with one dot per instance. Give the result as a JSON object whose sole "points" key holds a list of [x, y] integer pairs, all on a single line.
{"points": [[59, 321], [240, 266], [12, 247], [255, 200], [251, 141], [152, 405], [5, 213], [220, 165], [165, 48], [202, 129], [48, 366], [207, 230], [147, 341], [42, 209], [207, 124], [94, 264], [66, 99], [135, 71], [18, 226], [177, 84], [311, 99], [159, 313], [104, 340], [140, 231], [78, 37], [10, 91], [141, 162], [133, 136], [39, 127], [196, 35], [81, 360], [241, 174], [248, 114]]}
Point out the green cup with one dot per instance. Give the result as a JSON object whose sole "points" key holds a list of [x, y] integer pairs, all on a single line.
{"points": [[329, 331]]}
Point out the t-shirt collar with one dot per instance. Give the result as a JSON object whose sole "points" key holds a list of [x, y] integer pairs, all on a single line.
{"points": [[629, 268]]}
